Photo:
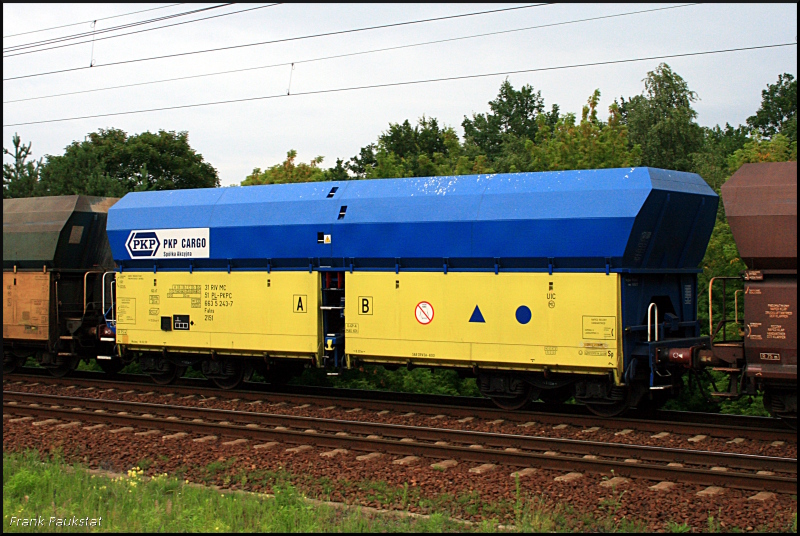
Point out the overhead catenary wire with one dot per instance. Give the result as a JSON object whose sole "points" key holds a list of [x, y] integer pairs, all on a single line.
{"points": [[88, 21], [284, 40], [350, 54], [407, 83], [146, 29], [95, 32]]}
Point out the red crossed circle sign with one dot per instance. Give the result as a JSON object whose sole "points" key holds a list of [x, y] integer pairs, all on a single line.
{"points": [[424, 313]]}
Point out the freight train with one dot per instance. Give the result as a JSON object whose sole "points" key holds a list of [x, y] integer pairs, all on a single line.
{"points": [[541, 285], [55, 255]]}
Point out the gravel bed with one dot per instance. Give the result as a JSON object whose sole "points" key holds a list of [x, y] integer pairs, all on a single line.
{"points": [[716, 444], [579, 505]]}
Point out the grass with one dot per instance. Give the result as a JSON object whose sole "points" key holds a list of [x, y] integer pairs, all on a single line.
{"points": [[34, 486], [44, 485], [678, 527], [691, 399]]}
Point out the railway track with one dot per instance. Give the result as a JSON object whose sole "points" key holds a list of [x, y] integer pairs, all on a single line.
{"points": [[715, 425], [762, 473]]}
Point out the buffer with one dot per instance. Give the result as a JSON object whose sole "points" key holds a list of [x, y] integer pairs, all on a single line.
{"points": [[476, 316]]}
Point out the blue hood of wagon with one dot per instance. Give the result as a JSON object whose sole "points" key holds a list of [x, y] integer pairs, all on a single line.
{"points": [[618, 219]]}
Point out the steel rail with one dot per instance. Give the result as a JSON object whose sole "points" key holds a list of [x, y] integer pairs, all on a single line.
{"points": [[644, 471], [568, 446], [726, 426], [494, 454]]}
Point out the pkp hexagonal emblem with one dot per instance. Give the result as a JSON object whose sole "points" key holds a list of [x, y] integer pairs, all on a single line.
{"points": [[142, 244]]}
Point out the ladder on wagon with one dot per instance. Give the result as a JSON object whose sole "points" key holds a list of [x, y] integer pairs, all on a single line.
{"points": [[729, 350]]}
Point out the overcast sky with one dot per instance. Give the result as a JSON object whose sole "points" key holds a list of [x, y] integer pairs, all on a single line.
{"points": [[237, 137]]}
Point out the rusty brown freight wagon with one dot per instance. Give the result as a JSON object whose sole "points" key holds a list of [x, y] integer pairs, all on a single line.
{"points": [[55, 253], [761, 207]]}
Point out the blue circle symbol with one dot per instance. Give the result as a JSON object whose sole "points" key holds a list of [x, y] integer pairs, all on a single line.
{"points": [[523, 314]]}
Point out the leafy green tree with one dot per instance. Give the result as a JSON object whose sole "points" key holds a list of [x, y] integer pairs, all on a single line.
{"points": [[778, 111], [420, 151], [661, 121], [20, 179], [590, 144], [711, 162], [423, 150], [109, 162], [721, 260], [387, 166], [512, 113], [777, 149], [287, 172], [406, 141], [363, 161], [514, 155], [338, 172]]}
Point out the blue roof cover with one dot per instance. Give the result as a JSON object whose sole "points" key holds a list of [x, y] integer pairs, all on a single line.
{"points": [[628, 219]]}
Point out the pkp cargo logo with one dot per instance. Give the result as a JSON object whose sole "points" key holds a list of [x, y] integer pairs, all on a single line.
{"points": [[192, 243], [142, 244]]}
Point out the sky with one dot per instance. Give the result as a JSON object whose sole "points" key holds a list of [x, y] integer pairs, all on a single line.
{"points": [[237, 137]]}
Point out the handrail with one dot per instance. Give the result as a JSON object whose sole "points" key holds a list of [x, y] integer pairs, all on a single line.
{"points": [[721, 325], [58, 305], [736, 304], [114, 302], [85, 276], [113, 320], [650, 308]]}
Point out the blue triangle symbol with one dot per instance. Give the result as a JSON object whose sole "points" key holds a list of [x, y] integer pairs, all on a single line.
{"points": [[476, 316]]}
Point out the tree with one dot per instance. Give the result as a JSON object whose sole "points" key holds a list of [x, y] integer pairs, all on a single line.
{"points": [[778, 111], [338, 172], [777, 149], [590, 144], [423, 150], [21, 178], [363, 161], [661, 120], [418, 151], [111, 163], [287, 172], [513, 113], [711, 162]]}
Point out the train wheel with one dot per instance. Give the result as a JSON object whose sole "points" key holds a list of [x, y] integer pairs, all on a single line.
{"points": [[60, 371], [516, 402], [165, 378], [609, 410], [235, 377], [10, 363], [557, 396], [783, 405]]}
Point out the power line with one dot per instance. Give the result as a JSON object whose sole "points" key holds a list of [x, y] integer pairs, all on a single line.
{"points": [[88, 21], [339, 32], [338, 56], [53, 40], [147, 29], [71, 37], [413, 82]]}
